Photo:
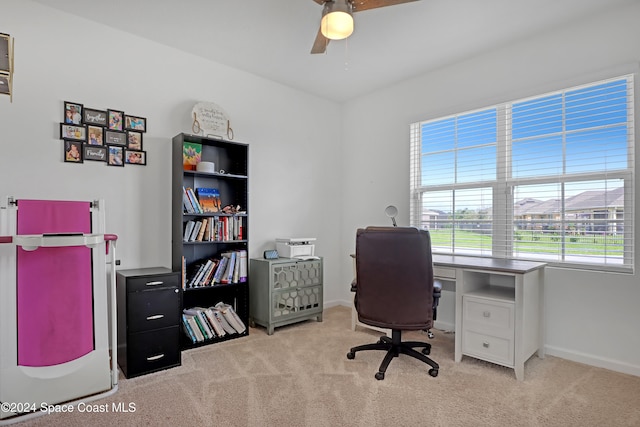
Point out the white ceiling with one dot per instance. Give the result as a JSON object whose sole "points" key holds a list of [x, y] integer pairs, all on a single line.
{"points": [[273, 38]]}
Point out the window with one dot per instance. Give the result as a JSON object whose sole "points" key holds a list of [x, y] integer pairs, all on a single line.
{"points": [[547, 178]]}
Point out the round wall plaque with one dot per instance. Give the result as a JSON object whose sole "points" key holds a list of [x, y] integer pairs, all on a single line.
{"points": [[210, 119]]}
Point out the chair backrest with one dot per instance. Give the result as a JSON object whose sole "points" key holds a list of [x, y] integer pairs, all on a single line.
{"points": [[394, 272]]}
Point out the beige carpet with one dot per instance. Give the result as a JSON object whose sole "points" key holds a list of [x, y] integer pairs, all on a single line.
{"points": [[300, 376]]}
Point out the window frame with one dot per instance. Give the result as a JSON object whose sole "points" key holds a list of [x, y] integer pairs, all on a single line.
{"points": [[504, 185]]}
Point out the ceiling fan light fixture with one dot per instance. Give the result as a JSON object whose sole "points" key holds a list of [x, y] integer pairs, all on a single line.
{"points": [[337, 20]]}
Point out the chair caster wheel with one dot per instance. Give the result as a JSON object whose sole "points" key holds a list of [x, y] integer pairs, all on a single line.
{"points": [[430, 335], [426, 351], [433, 372], [351, 355], [379, 376]]}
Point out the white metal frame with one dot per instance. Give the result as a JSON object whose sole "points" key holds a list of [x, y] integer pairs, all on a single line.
{"points": [[90, 377]]}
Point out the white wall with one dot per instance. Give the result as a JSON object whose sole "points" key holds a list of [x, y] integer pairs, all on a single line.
{"points": [[590, 317], [61, 57]]}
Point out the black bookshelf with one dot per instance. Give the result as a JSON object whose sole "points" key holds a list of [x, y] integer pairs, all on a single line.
{"points": [[231, 161]]}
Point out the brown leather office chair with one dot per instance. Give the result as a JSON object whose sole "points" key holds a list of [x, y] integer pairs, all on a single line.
{"points": [[394, 290]]}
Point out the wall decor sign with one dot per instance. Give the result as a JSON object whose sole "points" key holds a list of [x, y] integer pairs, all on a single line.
{"points": [[101, 135], [6, 65], [210, 119], [115, 138], [95, 153], [94, 117]]}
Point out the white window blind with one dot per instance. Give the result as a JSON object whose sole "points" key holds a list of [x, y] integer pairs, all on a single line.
{"points": [[545, 178]]}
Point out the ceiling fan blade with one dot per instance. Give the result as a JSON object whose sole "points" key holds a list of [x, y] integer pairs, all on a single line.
{"points": [[320, 44], [360, 5]]}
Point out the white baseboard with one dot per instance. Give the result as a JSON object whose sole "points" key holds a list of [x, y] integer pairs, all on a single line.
{"points": [[591, 360], [329, 304]]}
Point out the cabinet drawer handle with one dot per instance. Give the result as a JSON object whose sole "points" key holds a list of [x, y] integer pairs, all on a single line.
{"points": [[152, 358], [485, 344], [486, 314], [155, 317], [159, 282]]}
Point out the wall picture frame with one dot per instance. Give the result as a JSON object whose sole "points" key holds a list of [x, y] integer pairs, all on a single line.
{"points": [[115, 138], [115, 120], [135, 157], [134, 140], [115, 155], [72, 113], [72, 151], [73, 132], [91, 116], [135, 123], [96, 153], [95, 135], [5, 84]]}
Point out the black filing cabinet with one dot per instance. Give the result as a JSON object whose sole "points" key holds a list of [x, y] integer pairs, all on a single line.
{"points": [[148, 320]]}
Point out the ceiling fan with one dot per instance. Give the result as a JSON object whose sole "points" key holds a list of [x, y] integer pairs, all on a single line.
{"points": [[337, 19]]}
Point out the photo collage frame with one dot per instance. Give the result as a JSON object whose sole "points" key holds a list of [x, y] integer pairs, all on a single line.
{"points": [[109, 136]]}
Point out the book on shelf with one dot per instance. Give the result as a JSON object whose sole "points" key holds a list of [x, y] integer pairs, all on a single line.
{"points": [[195, 231], [195, 328], [230, 267], [243, 266], [188, 229], [223, 321], [203, 225], [208, 276], [227, 276], [213, 321], [209, 199], [200, 321], [191, 155], [191, 195], [187, 206], [188, 330], [184, 273], [222, 265], [231, 317]]}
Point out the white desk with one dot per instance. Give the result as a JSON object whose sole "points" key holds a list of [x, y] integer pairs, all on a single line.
{"points": [[498, 308]]}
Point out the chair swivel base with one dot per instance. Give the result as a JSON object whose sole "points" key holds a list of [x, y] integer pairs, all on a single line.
{"points": [[394, 346]]}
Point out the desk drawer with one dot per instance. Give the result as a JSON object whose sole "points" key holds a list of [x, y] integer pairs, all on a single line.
{"points": [[154, 350], [444, 273], [153, 309], [487, 316], [487, 347], [155, 281]]}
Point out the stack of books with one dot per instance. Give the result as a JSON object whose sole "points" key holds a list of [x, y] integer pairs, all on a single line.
{"points": [[215, 228], [202, 324], [202, 200], [230, 268]]}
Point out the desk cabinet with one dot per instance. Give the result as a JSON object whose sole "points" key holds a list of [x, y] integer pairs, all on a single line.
{"points": [[488, 320], [148, 320], [285, 291], [498, 309]]}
